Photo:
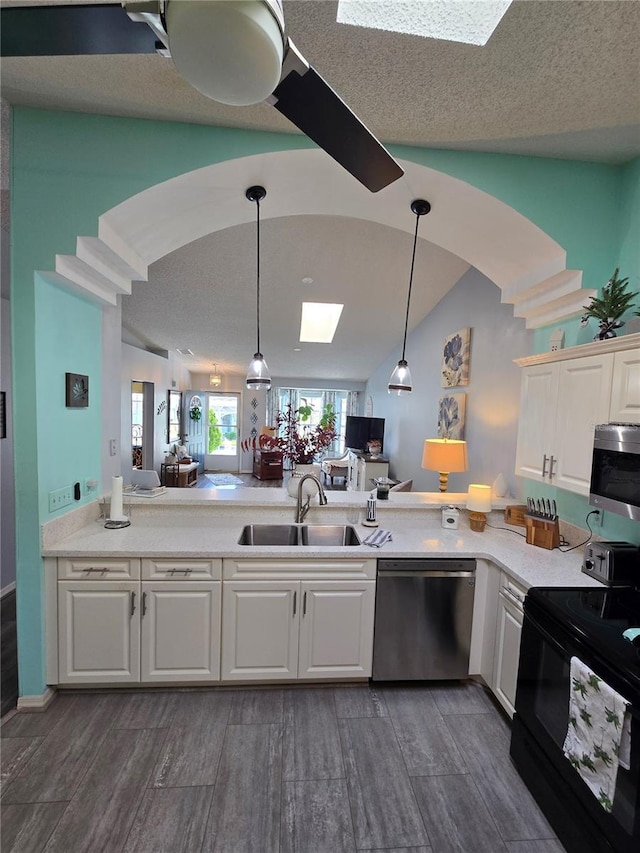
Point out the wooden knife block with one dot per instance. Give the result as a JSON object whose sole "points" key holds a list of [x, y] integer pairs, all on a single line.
{"points": [[542, 532]]}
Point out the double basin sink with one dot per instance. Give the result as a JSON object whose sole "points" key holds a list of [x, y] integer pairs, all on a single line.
{"points": [[299, 534]]}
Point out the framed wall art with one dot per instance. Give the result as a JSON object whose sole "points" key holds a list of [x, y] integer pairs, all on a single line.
{"points": [[455, 358], [76, 391], [451, 413]]}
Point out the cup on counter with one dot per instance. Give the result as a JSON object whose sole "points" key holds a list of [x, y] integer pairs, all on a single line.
{"points": [[354, 514]]}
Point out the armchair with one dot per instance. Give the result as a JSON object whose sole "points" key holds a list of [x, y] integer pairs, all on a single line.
{"points": [[335, 467]]}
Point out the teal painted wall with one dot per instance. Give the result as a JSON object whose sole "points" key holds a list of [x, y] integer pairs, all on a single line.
{"points": [[69, 168]]}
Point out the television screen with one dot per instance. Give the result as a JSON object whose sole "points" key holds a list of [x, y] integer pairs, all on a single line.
{"points": [[359, 431]]}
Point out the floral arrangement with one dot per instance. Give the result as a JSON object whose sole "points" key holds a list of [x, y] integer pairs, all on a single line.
{"points": [[298, 441]]}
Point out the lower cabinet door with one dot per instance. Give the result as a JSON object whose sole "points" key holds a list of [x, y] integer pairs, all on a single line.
{"points": [[260, 630], [98, 631], [180, 627], [336, 629], [507, 654]]}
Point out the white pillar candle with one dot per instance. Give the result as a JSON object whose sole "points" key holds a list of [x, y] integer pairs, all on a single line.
{"points": [[116, 513]]}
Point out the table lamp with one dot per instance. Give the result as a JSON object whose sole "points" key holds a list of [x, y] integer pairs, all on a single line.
{"points": [[445, 455], [479, 502]]}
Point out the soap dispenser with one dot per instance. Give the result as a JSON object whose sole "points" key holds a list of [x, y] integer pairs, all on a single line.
{"points": [[370, 520]]}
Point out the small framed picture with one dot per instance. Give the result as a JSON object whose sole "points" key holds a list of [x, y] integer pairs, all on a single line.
{"points": [[77, 391]]}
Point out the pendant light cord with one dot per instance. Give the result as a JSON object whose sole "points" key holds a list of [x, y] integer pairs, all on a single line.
{"points": [[258, 273], [413, 260]]}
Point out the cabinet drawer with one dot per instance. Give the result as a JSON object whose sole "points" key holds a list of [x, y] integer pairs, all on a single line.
{"points": [[512, 591], [180, 570], [98, 568]]}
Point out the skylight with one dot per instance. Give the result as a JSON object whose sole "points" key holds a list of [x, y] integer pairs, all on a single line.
{"points": [[467, 21], [319, 322]]}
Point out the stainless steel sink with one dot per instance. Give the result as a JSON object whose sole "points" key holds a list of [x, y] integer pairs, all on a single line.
{"points": [[269, 534], [293, 534], [329, 534]]}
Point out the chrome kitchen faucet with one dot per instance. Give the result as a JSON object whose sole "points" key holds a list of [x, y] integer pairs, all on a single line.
{"points": [[303, 509]]}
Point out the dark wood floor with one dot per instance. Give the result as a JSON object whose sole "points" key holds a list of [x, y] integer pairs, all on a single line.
{"points": [[419, 769], [9, 653]]}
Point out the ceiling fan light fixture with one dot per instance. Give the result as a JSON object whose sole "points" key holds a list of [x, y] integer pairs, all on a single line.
{"points": [[258, 372], [232, 52], [400, 380]]}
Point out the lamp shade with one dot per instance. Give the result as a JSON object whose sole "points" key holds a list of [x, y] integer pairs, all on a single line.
{"points": [[479, 498], [444, 454], [258, 373]]}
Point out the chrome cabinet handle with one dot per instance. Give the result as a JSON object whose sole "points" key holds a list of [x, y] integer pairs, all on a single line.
{"points": [[180, 571], [304, 604], [545, 459], [102, 569], [133, 603], [144, 603], [552, 461], [508, 593], [295, 601]]}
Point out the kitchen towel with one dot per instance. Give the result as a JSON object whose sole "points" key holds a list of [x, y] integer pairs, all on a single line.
{"points": [[377, 539], [598, 733]]}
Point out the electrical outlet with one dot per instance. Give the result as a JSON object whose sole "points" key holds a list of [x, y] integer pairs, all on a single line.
{"points": [[90, 486], [596, 519], [113, 447], [60, 498]]}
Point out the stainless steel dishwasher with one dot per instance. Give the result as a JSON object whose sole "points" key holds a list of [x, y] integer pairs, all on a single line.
{"points": [[424, 609]]}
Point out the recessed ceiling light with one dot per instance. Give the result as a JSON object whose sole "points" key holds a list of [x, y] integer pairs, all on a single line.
{"points": [[307, 280], [467, 21], [185, 351], [319, 321]]}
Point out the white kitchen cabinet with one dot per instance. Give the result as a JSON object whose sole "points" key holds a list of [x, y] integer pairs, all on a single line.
{"points": [[507, 650], [310, 619], [261, 624], [98, 631], [336, 629], [180, 625], [625, 390], [560, 405], [115, 631]]}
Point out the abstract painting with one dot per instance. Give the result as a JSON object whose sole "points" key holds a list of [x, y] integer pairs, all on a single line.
{"points": [[455, 358], [451, 411]]}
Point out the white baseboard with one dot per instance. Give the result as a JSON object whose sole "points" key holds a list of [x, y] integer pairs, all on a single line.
{"points": [[36, 703]]}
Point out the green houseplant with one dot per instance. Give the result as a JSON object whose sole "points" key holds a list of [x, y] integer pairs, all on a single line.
{"points": [[610, 306]]}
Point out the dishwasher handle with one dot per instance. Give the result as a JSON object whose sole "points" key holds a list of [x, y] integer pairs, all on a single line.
{"points": [[425, 573]]}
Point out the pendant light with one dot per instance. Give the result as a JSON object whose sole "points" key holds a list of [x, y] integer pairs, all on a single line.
{"points": [[400, 379], [215, 380], [258, 373]]}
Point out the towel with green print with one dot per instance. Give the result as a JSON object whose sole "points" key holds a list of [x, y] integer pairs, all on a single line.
{"points": [[377, 539], [598, 735]]}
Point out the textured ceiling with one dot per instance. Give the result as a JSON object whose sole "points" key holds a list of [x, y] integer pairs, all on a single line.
{"points": [[557, 79]]}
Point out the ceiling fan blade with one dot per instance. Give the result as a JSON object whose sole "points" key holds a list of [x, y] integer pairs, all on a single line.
{"points": [[71, 31], [308, 101]]}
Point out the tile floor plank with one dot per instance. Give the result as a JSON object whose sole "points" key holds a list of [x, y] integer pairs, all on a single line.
{"points": [[101, 813], [462, 697], [191, 750], [38, 723], [15, 753], [27, 828], [316, 817], [455, 815], [427, 745], [256, 707], [66, 753], [151, 710], [311, 746], [360, 701], [484, 740], [383, 806], [245, 813], [170, 820], [550, 845]]}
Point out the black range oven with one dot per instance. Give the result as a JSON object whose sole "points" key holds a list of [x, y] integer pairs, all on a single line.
{"points": [[585, 623]]}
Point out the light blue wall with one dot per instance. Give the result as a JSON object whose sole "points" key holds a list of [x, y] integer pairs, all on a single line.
{"points": [[68, 168], [492, 395]]}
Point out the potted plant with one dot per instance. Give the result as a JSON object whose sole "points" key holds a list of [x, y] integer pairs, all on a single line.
{"points": [[299, 442], [609, 308]]}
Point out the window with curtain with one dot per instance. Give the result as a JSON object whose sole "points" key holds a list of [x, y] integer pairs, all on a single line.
{"points": [[344, 403]]}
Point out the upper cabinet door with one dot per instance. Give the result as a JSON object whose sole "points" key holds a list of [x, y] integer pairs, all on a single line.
{"points": [[539, 393], [584, 392], [625, 393]]}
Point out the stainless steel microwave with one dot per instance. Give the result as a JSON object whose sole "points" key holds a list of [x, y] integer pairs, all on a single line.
{"points": [[615, 470]]}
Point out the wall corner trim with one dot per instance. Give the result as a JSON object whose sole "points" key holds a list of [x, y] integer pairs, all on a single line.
{"points": [[37, 703]]}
